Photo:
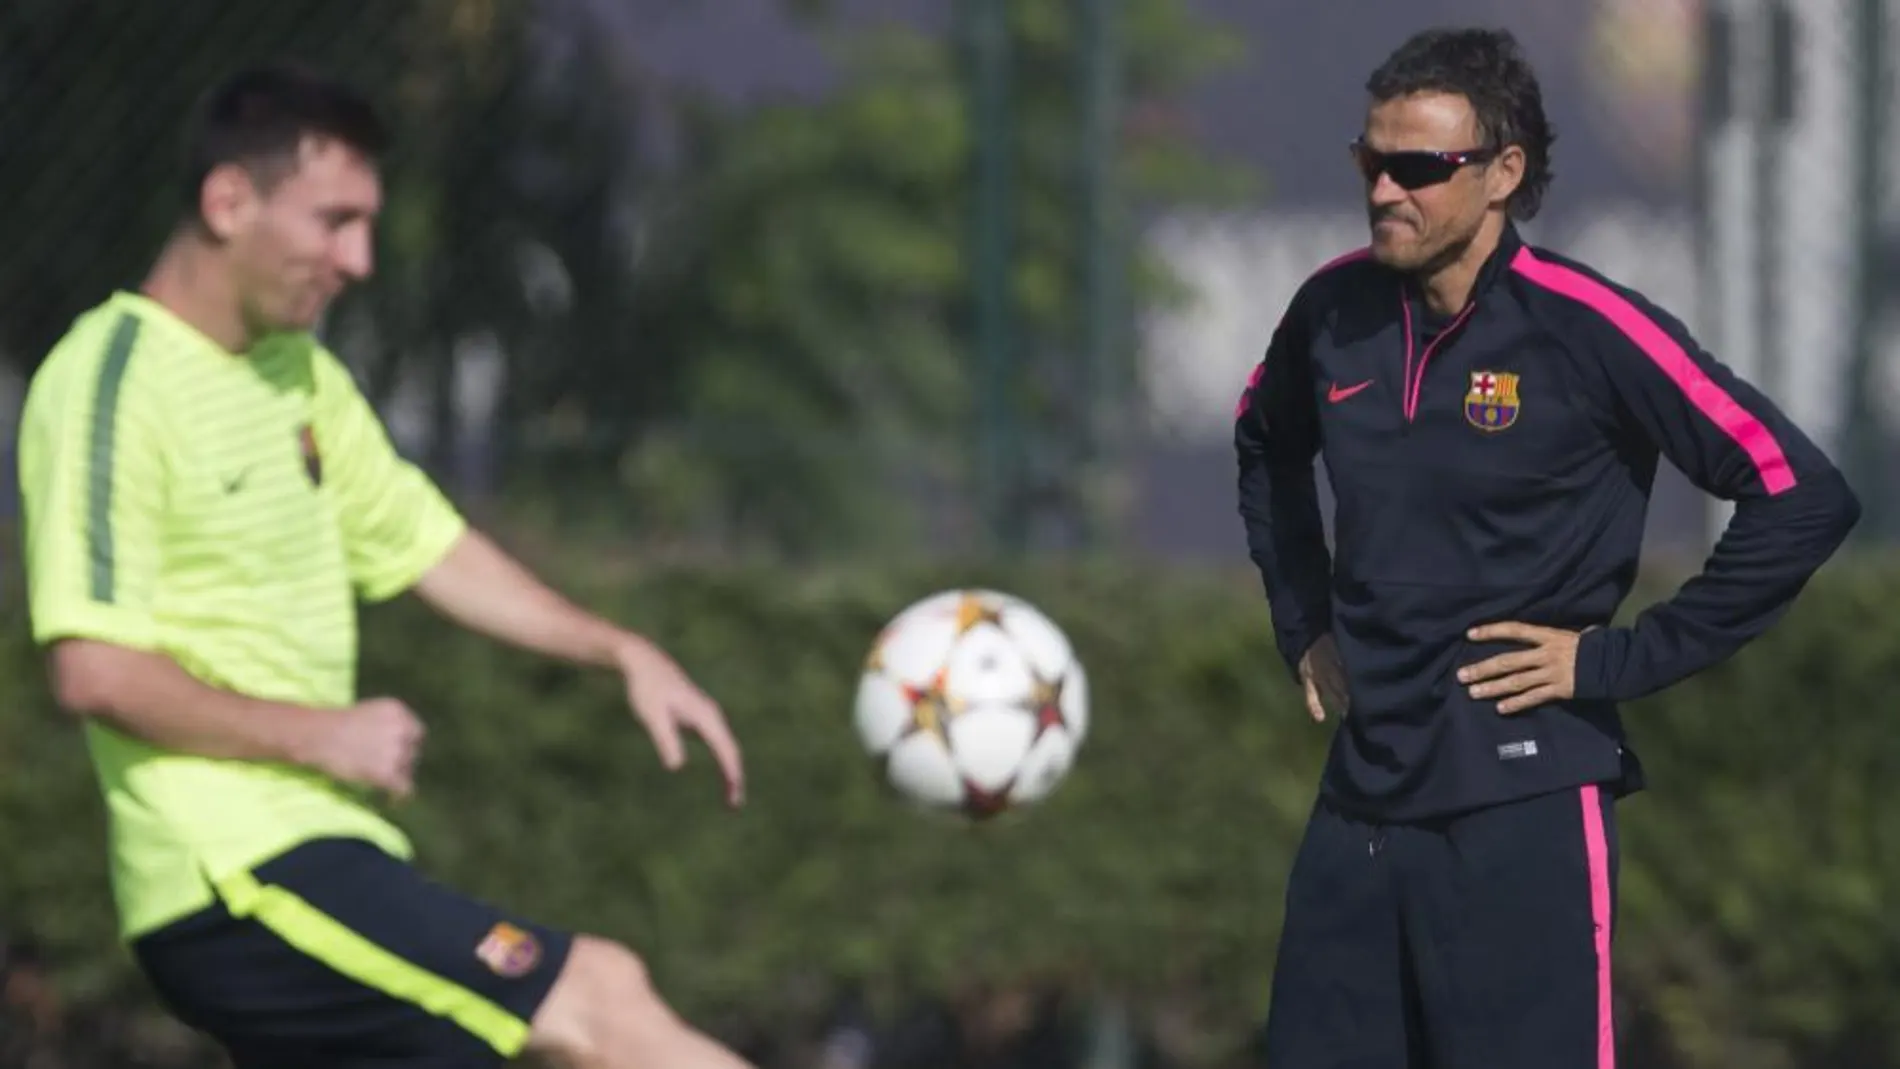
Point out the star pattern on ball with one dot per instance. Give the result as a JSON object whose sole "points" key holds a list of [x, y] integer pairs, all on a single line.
{"points": [[972, 610], [999, 673], [931, 708], [1045, 702], [980, 804]]}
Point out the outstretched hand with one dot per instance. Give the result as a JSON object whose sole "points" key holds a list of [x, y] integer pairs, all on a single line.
{"points": [[1524, 679], [665, 701]]}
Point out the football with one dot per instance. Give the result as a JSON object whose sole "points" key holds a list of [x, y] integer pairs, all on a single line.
{"points": [[972, 702]]}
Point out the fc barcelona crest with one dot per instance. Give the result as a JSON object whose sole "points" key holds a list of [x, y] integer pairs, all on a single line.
{"points": [[312, 459], [1491, 404], [509, 951]]}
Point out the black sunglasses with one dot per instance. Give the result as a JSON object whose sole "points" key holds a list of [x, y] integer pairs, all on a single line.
{"points": [[1415, 169]]}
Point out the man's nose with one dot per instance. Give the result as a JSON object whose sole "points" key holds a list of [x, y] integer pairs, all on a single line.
{"points": [[1385, 192], [354, 257]]}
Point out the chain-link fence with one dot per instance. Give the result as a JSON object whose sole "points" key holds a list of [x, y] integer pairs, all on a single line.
{"points": [[802, 280], [609, 296], [1619, 81], [1721, 156], [1795, 143], [732, 325], [613, 300], [601, 291]]}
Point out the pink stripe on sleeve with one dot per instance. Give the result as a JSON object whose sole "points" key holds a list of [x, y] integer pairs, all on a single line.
{"points": [[1711, 400], [1253, 379], [1246, 395]]}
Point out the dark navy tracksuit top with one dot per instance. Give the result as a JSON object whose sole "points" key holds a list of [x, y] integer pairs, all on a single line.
{"points": [[1497, 466]]}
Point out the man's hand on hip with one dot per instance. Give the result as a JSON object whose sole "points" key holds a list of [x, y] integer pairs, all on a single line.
{"points": [[1324, 678], [1524, 679]]}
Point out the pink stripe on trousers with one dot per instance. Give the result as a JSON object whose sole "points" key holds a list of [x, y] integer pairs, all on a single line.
{"points": [[1597, 847]]}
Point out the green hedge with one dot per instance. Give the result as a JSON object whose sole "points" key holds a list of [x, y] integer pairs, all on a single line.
{"points": [[1757, 929]]}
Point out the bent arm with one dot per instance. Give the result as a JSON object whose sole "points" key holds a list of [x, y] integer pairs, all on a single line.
{"points": [[1276, 438], [94, 529], [403, 534], [150, 697], [481, 588], [1793, 509], [1765, 557]]}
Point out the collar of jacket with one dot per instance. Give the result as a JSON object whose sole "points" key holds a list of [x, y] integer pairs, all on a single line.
{"points": [[1495, 265]]}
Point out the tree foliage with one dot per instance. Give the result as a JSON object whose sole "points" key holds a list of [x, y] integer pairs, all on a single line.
{"points": [[763, 341], [1754, 929], [96, 94], [805, 295]]}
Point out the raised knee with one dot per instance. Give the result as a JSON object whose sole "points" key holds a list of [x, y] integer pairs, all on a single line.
{"points": [[603, 1003], [612, 970]]}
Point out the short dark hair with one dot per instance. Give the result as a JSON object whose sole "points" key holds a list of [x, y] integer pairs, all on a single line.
{"points": [[259, 117], [1487, 68]]}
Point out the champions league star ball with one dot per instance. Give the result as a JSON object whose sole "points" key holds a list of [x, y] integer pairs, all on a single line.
{"points": [[973, 702]]}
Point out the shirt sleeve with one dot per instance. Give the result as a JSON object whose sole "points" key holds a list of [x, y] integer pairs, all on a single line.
{"points": [[93, 490], [397, 524], [1793, 508], [1276, 438]]}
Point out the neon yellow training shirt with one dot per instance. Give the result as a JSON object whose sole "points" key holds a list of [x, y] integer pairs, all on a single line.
{"points": [[226, 511]]}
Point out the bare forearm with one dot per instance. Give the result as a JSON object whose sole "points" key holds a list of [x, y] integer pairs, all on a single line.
{"points": [[148, 696], [481, 588]]}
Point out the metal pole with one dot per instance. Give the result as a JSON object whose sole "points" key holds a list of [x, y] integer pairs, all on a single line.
{"points": [[1862, 432], [1716, 209], [987, 31], [1777, 105], [1099, 75], [1716, 111]]}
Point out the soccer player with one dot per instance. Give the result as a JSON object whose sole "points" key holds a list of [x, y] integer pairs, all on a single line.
{"points": [[206, 494], [1492, 416]]}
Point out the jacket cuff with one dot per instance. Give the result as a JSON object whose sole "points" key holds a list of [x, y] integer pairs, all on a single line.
{"points": [[1600, 657], [1292, 648]]}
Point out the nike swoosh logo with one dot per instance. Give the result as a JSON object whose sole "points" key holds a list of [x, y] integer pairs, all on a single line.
{"points": [[1336, 394]]}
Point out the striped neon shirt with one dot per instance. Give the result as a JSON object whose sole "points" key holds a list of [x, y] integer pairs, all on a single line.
{"points": [[227, 511]]}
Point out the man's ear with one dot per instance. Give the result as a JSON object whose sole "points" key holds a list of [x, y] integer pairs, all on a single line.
{"points": [[228, 201], [1505, 174]]}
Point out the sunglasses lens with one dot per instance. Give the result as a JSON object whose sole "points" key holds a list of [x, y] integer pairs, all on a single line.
{"points": [[1370, 163], [1409, 170], [1416, 170]]}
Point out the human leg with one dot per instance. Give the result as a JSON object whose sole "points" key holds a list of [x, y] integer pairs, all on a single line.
{"points": [[339, 955], [1510, 913], [1341, 998], [604, 1013]]}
